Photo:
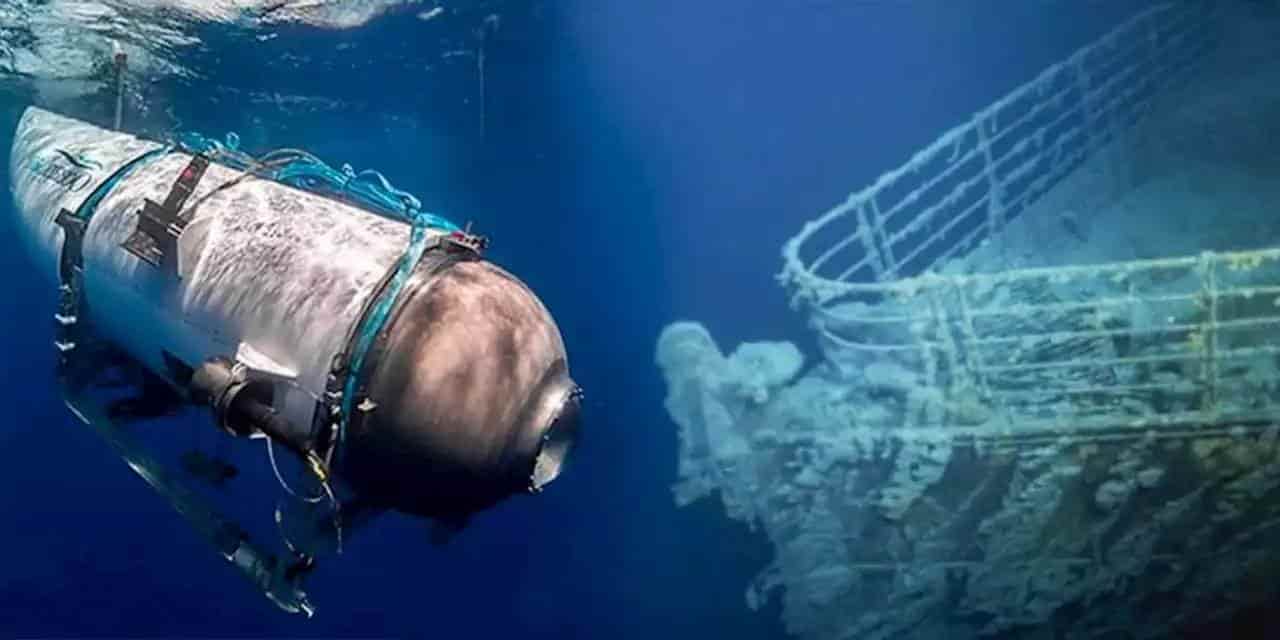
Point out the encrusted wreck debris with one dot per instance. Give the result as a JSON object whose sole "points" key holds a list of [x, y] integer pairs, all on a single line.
{"points": [[1047, 403]]}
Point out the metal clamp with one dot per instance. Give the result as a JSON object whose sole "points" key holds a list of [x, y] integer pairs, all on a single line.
{"points": [[467, 241], [159, 225]]}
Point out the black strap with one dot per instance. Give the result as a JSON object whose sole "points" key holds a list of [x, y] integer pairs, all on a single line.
{"points": [[159, 225], [67, 317], [67, 330]]}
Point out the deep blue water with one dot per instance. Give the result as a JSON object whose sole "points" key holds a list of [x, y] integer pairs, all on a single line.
{"points": [[642, 163]]}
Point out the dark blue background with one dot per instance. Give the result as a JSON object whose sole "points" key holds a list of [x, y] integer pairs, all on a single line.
{"points": [[643, 162]]}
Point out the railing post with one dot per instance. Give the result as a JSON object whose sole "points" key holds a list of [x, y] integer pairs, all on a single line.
{"points": [[1088, 105], [976, 364], [995, 199], [938, 349], [867, 234], [886, 252], [1209, 331]]}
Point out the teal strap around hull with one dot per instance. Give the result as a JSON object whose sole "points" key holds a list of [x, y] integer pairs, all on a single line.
{"points": [[90, 205], [348, 374], [373, 322]]}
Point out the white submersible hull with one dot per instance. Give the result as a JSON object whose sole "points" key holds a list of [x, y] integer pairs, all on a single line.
{"points": [[392, 358]]}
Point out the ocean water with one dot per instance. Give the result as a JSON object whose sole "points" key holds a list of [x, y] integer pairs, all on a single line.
{"points": [[637, 164]]}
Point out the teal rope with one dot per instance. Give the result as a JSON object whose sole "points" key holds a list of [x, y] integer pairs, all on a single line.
{"points": [[302, 170]]}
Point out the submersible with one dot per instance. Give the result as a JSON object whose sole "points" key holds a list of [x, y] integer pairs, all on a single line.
{"points": [[402, 368]]}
